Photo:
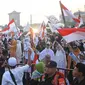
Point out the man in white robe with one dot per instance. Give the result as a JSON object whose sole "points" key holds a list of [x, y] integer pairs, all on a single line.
{"points": [[60, 57], [46, 51]]}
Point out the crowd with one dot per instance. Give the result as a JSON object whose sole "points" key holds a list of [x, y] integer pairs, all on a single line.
{"points": [[48, 61]]}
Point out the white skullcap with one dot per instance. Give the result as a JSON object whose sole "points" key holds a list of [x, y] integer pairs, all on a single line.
{"points": [[48, 43], [12, 61]]}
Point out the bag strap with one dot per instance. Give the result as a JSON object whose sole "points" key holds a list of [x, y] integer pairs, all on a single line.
{"points": [[12, 76]]}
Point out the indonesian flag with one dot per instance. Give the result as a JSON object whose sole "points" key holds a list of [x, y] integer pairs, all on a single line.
{"points": [[72, 34], [12, 27], [42, 30], [69, 13]]}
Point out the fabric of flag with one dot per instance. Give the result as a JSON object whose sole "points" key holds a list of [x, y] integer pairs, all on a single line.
{"points": [[72, 34], [12, 27], [52, 19], [5, 30], [31, 33], [42, 31], [26, 28], [69, 13], [81, 21]]}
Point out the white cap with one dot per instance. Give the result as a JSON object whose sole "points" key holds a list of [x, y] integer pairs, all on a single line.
{"points": [[12, 61], [48, 43]]}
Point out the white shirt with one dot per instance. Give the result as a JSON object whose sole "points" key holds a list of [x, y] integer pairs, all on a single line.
{"points": [[46, 52], [18, 74], [60, 59]]}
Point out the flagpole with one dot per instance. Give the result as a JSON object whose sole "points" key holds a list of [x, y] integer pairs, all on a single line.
{"points": [[64, 21]]}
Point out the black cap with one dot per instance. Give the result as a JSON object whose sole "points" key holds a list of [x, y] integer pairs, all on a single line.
{"points": [[81, 68], [51, 64]]}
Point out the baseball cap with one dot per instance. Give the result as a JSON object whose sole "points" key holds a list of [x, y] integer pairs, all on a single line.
{"points": [[12, 61], [51, 64]]}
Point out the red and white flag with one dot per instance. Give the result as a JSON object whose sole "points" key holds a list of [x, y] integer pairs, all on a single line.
{"points": [[69, 13], [42, 30], [12, 27], [72, 34], [81, 21]]}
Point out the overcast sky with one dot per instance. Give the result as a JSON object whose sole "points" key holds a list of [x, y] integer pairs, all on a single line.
{"points": [[38, 8]]}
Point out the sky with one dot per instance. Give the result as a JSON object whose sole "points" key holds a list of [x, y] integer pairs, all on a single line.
{"points": [[39, 9]]}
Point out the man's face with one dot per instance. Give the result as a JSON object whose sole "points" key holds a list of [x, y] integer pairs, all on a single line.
{"points": [[50, 71], [76, 73]]}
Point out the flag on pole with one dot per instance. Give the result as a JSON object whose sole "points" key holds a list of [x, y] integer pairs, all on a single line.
{"points": [[12, 27], [72, 34], [69, 13], [53, 23]]}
